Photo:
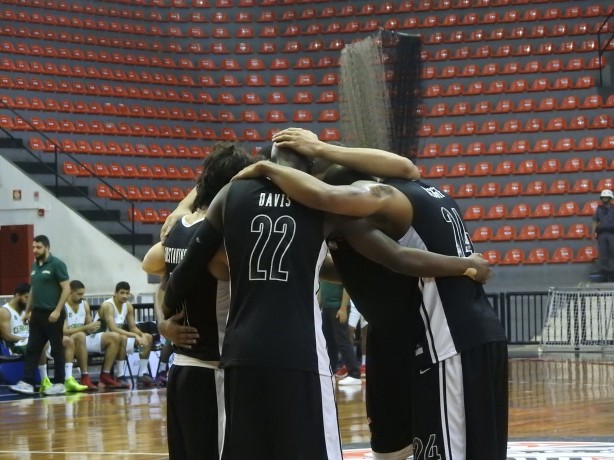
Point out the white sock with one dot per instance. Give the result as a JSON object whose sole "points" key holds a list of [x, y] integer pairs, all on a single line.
{"points": [[364, 360], [43, 371], [68, 370], [143, 366], [120, 368], [162, 367]]}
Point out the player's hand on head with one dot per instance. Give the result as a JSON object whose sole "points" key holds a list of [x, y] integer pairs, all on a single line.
{"points": [[300, 140], [480, 269]]}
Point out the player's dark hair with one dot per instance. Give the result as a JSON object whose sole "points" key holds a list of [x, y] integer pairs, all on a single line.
{"points": [[122, 285], [226, 160], [43, 240], [340, 175], [21, 289], [76, 284]]}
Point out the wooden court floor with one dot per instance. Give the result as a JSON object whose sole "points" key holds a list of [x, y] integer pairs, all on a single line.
{"points": [[552, 398]]}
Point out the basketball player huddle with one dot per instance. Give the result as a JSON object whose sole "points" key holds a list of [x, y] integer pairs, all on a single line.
{"points": [[241, 307]]}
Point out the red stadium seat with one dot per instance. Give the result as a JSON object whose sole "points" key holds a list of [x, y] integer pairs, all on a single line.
{"points": [[496, 211], [481, 234], [577, 232], [561, 255], [458, 170], [505, 233], [475, 212], [514, 256], [596, 164], [552, 232], [537, 256], [519, 211], [550, 166], [511, 189], [528, 233], [466, 190], [567, 208], [492, 256], [558, 187], [543, 210], [582, 185], [589, 208], [586, 254], [489, 189]]}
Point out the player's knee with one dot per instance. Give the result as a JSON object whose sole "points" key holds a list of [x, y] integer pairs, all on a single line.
{"points": [[79, 337]]}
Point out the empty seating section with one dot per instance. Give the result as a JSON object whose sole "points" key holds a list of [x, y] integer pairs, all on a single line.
{"points": [[137, 93]]}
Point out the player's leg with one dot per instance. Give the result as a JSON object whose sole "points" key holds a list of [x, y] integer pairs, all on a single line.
{"points": [[73, 346], [126, 348], [438, 405], [301, 421], [165, 355], [110, 343], [348, 353], [192, 413], [144, 379], [485, 371], [389, 393], [328, 315]]}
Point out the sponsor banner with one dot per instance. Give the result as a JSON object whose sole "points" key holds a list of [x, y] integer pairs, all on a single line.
{"points": [[528, 450]]}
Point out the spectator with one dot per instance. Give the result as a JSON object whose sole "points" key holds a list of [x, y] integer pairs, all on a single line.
{"points": [[354, 319], [603, 232]]}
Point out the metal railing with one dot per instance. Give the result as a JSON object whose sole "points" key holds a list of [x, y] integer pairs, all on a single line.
{"points": [[58, 177], [601, 49]]}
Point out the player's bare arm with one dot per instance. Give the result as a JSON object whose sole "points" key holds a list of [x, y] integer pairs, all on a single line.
{"points": [[153, 262], [5, 327], [369, 161], [107, 312], [183, 208], [381, 249], [357, 200]]}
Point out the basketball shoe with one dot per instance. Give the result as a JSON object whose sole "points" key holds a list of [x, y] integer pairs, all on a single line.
{"points": [[145, 381], [85, 380], [23, 388], [108, 382], [72, 385], [45, 385]]}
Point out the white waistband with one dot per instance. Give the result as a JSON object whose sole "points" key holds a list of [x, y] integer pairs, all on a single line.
{"points": [[183, 360]]}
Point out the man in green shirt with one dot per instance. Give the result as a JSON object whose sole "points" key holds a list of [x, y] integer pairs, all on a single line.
{"points": [[45, 313]]}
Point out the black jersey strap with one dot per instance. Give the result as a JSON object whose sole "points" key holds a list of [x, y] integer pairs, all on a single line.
{"points": [[187, 275]]}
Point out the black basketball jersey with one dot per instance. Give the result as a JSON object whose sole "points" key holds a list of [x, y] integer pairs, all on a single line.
{"points": [[275, 247], [380, 295], [207, 306], [455, 311]]}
